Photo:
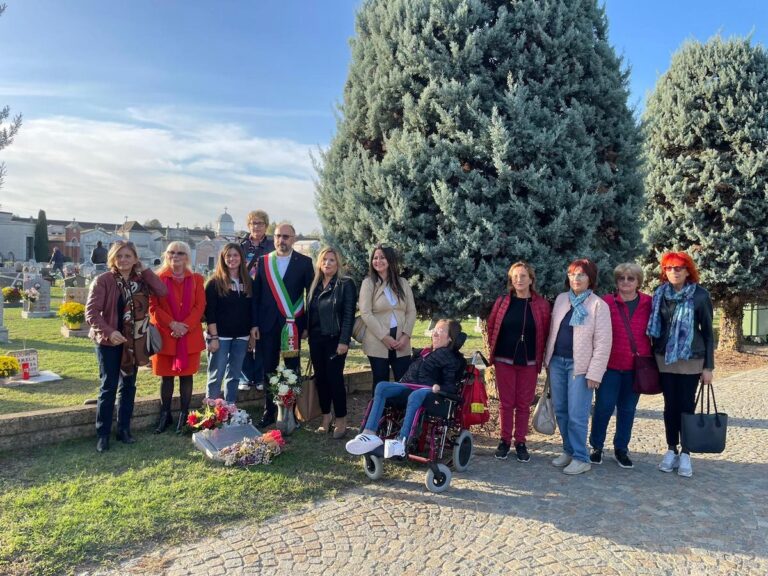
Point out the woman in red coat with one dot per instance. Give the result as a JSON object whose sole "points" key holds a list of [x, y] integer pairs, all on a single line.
{"points": [[517, 332], [178, 317]]}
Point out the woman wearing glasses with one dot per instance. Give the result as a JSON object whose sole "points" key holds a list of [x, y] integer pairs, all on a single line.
{"points": [[578, 348], [178, 317], [116, 310], [388, 310], [684, 344], [629, 309]]}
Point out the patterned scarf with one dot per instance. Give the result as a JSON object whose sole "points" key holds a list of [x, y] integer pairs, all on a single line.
{"points": [[680, 335], [179, 313], [577, 303], [135, 314]]}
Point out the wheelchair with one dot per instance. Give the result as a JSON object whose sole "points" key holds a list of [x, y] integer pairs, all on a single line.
{"points": [[437, 437]]}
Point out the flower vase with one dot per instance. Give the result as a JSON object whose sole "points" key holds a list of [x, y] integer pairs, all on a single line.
{"points": [[286, 420], [73, 325]]}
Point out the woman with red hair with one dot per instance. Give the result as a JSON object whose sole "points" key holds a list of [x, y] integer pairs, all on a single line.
{"points": [[684, 344]]}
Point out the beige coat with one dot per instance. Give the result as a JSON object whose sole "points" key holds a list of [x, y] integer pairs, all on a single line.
{"points": [[376, 310], [591, 341]]}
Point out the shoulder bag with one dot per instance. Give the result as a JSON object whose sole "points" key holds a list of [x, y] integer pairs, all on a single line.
{"points": [[704, 432], [646, 377], [544, 415], [308, 402]]}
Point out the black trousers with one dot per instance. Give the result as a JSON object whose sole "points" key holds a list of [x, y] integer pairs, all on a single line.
{"points": [[679, 392], [380, 366], [269, 345], [329, 374]]}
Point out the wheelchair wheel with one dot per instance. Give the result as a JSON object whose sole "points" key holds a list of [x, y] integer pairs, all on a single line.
{"points": [[462, 451], [438, 482], [373, 466]]}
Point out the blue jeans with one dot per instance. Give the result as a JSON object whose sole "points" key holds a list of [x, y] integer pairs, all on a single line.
{"points": [[572, 400], [615, 392], [253, 368], [225, 364], [386, 390], [113, 386]]}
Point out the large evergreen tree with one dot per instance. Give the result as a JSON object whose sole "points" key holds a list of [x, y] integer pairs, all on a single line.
{"points": [[707, 182], [41, 237], [474, 133]]}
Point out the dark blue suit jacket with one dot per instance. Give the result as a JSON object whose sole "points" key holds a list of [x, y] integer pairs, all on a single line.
{"points": [[298, 278]]}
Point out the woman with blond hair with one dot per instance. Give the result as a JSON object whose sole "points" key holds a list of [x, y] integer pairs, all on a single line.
{"points": [[331, 314], [117, 311], [229, 316], [178, 317], [517, 332], [684, 345], [630, 311]]}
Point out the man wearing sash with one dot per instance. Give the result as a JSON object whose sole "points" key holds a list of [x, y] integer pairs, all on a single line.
{"points": [[254, 246], [283, 278]]}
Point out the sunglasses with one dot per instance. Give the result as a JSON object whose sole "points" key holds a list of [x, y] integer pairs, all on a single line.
{"points": [[625, 278], [284, 236], [581, 276], [173, 253], [674, 268]]}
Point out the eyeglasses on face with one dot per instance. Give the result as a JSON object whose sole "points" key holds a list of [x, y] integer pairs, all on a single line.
{"points": [[674, 268], [175, 253], [625, 278], [284, 236], [258, 224], [579, 276]]}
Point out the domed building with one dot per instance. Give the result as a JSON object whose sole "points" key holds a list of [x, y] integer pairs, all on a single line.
{"points": [[225, 225]]}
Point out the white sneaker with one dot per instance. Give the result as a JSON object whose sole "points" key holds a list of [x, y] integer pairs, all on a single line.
{"points": [[260, 386], [243, 386], [685, 467], [394, 448], [577, 467], [669, 462], [562, 461], [363, 443]]}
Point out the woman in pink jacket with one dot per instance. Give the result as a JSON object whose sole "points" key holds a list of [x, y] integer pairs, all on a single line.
{"points": [[578, 348], [517, 331], [628, 308]]}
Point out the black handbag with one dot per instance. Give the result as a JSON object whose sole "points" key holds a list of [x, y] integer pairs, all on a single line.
{"points": [[704, 432], [645, 380]]}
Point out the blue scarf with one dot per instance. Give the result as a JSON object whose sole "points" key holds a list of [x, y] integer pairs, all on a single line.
{"points": [[579, 311], [680, 334]]}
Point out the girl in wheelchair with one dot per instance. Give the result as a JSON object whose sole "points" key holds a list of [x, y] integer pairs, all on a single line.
{"points": [[435, 369]]}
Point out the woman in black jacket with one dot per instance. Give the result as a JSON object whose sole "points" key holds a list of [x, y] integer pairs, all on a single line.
{"points": [[436, 369], [331, 314]]}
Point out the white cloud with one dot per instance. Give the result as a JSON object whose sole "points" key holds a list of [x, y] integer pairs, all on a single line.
{"points": [[177, 172]]}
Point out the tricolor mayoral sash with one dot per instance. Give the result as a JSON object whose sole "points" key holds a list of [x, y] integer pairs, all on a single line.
{"points": [[289, 337]]}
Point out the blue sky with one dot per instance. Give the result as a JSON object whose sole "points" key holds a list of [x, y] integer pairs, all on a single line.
{"points": [[173, 110]]}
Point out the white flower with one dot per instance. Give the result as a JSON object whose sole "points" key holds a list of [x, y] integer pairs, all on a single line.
{"points": [[274, 380], [283, 389], [291, 378]]}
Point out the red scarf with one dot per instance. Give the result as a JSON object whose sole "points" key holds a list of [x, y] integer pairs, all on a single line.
{"points": [[179, 313]]}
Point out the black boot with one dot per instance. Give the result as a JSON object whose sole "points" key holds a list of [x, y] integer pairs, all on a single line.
{"points": [[165, 421], [102, 445], [125, 437], [182, 421]]}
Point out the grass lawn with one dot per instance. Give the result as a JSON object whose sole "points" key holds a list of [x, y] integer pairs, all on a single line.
{"points": [[64, 506], [75, 361]]}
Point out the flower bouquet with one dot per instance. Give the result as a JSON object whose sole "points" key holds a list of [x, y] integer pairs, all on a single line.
{"points": [[285, 386], [212, 414], [31, 294], [9, 366], [73, 314], [251, 451], [11, 295]]}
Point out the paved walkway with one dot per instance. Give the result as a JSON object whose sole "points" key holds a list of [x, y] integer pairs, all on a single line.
{"points": [[503, 517]]}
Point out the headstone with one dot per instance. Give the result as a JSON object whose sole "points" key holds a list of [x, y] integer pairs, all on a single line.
{"points": [[211, 441], [3, 329], [75, 281], [27, 362], [40, 308], [79, 295]]}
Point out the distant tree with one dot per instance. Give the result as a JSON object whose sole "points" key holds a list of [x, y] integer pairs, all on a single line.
{"points": [[8, 132], [41, 238], [474, 133], [153, 223], [707, 150]]}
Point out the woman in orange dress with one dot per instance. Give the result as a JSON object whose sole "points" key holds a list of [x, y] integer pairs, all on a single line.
{"points": [[178, 316]]}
